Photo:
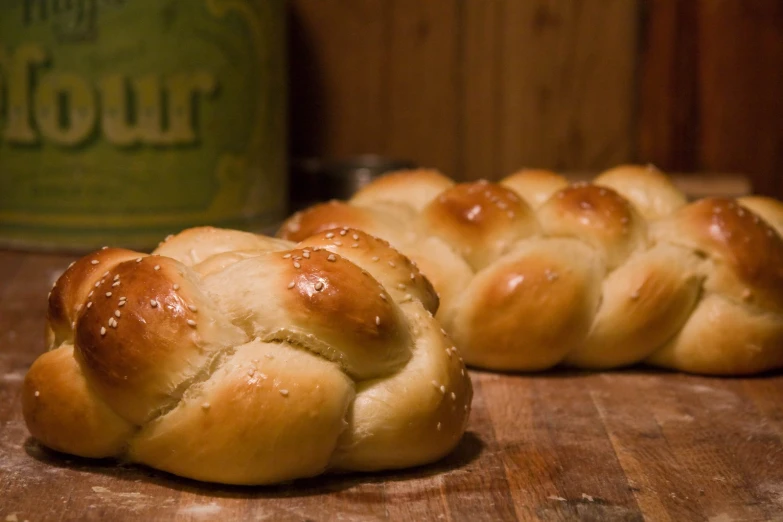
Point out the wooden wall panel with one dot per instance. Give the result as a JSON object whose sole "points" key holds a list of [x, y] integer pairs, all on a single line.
{"points": [[711, 96], [567, 83], [338, 76], [422, 119], [476, 88]]}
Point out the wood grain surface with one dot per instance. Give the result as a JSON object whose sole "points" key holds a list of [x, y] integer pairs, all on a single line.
{"points": [[629, 445], [710, 86], [477, 88]]}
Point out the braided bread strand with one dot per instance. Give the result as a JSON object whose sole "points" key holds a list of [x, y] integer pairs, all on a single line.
{"points": [[533, 272], [234, 358]]}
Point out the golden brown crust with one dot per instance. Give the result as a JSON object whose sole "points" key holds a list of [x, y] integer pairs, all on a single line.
{"points": [[535, 185], [149, 330], [243, 368], [597, 215], [652, 192], [401, 278], [654, 259], [73, 287], [379, 222], [414, 188], [194, 245], [480, 220], [541, 284], [62, 412], [750, 249]]}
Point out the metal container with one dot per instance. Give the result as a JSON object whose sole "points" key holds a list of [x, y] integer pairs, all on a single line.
{"points": [[124, 120], [315, 180]]}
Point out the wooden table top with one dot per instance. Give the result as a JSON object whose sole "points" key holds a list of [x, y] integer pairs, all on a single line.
{"points": [[628, 445]]}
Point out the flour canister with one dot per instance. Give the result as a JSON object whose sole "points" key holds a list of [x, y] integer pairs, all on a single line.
{"points": [[122, 121]]}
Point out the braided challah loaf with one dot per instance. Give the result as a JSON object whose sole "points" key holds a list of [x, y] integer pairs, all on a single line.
{"points": [[533, 271], [234, 358]]}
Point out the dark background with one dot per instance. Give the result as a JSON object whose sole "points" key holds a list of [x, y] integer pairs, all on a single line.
{"points": [[479, 88]]}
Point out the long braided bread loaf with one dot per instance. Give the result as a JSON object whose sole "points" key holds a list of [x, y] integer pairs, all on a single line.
{"points": [[533, 272], [234, 358]]}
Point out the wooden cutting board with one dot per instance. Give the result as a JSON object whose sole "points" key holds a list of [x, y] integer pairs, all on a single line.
{"points": [[629, 445]]}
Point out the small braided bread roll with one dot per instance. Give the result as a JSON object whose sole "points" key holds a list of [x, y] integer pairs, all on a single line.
{"points": [[533, 272], [234, 358]]}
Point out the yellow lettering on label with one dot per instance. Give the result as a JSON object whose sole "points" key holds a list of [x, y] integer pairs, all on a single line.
{"points": [[147, 91], [181, 90], [79, 107], [116, 112], [18, 68]]}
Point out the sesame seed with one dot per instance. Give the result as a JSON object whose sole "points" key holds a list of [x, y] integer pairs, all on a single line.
{"points": [[383, 297], [116, 277], [291, 285], [269, 356], [306, 254], [356, 237], [284, 393], [297, 265], [176, 286], [453, 396], [108, 294], [635, 295], [73, 325], [37, 394], [408, 297], [115, 284], [191, 322], [448, 352], [343, 232], [466, 407], [401, 286], [338, 242], [117, 313], [193, 308], [462, 372], [330, 235], [376, 258], [442, 389], [103, 330], [287, 256], [391, 264], [319, 285], [153, 303], [91, 292], [377, 321], [438, 426], [205, 406], [89, 305], [94, 262], [435, 383], [355, 245], [113, 322], [105, 274], [156, 267], [413, 276], [250, 372], [331, 258], [98, 283], [138, 260], [121, 303]]}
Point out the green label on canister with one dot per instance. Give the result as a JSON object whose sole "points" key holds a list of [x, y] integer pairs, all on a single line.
{"points": [[124, 120]]}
